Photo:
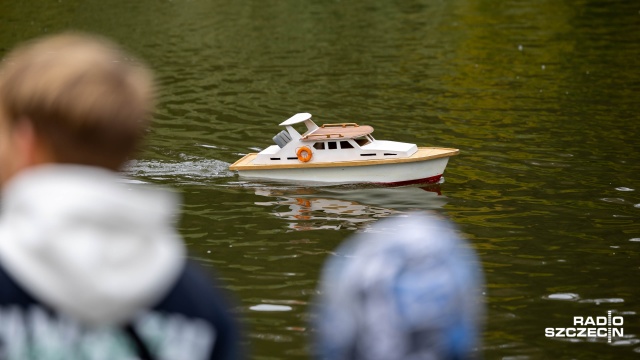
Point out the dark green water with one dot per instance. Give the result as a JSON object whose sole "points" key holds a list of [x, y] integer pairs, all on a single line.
{"points": [[540, 96]]}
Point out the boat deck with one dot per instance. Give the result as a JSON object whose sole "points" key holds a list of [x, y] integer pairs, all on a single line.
{"points": [[423, 154], [338, 131]]}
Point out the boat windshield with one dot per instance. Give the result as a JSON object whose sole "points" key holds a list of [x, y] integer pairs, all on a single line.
{"points": [[363, 140]]}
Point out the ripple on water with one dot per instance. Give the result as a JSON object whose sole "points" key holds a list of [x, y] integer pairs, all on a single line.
{"points": [[622, 188], [625, 342], [614, 200], [563, 296], [132, 181], [603, 301], [270, 307]]}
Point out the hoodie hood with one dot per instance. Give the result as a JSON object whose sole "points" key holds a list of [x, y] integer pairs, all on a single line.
{"points": [[87, 243]]}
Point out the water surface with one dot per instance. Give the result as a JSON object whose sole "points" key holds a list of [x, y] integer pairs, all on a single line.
{"points": [[540, 96]]}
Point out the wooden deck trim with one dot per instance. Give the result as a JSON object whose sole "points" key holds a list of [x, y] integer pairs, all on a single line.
{"points": [[423, 154], [337, 132], [342, 125]]}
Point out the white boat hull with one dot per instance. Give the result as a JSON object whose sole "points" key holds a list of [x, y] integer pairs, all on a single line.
{"points": [[427, 171]]}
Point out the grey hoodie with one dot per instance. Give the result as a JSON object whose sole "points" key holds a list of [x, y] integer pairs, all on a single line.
{"points": [[88, 244]]}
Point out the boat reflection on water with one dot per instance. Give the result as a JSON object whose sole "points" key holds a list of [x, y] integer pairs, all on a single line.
{"points": [[333, 208]]}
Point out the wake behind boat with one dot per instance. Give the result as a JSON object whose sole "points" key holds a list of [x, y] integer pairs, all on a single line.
{"points": [[342, 153]]}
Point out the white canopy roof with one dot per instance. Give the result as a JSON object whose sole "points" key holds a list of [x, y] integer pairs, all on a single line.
{"points": [[297, 118]]}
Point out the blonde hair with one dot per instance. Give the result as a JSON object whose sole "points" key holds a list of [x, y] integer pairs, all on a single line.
{"points": [[87, 100]]}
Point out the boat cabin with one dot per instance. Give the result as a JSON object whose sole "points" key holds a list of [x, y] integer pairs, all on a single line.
{"points": [[329, 143]]}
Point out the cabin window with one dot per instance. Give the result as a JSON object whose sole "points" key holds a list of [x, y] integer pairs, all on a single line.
{"points": [[389, 154], [345, 145], [332, 145], [369, 154], [318, 146], [292, 158], [362, 141], [275, 158]]}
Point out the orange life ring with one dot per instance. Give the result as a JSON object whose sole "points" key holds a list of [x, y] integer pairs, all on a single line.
{"points": [[304, 154]]}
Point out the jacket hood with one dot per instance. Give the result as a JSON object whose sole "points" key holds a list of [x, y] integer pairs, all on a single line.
{"points": [[87, 243]]}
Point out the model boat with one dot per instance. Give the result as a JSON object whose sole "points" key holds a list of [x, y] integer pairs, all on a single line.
{"points": [[342, 153]]}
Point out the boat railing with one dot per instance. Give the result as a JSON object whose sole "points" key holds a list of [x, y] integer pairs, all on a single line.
{"points": [[343, 125], [327, 136]]}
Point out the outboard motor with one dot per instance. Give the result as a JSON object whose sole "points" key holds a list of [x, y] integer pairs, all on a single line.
{"points": [[282, 139]]}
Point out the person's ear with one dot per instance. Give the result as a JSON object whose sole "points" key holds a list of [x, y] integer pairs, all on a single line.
{"points": [[24, 138], [31, 148], [18, 149]]}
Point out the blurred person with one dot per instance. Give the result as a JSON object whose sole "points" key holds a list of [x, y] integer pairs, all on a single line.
{"points": [[409, 288], [92, 267]]}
